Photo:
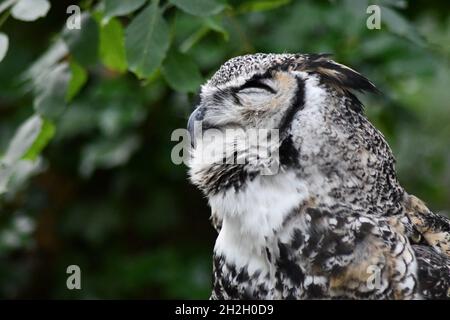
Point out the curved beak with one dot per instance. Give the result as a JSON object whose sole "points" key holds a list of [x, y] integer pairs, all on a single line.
{"points": [[197, 115]]}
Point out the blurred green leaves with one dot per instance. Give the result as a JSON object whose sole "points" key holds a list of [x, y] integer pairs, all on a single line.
{"points": [[78, 77], [208, 24], [49, 79], [182, 276], [114, 8], [258, 5], [46, 132], [147, 41], [30, 10], [199, 7], [24, 10], [112, 45], [107, 154], [400, 26], [4, 43], [181, 72], [83, 43], [26, 136], [51, 91], [30, 138]]}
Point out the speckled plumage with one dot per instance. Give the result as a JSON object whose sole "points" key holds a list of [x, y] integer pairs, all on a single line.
{"points": [[334, 220]]}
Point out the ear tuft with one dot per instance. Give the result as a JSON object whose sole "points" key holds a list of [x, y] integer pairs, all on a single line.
{"points": [[336, 74]]}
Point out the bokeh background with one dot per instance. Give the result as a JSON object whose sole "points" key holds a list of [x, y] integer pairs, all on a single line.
{"points": [[86, 118]]}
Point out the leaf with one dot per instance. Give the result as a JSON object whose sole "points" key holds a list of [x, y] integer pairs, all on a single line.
{"points": [[45, 135], [78, 78], [114, 8], [108, 153], [83, 42], [19, 160], [401, 4], [199, 7], [48, 60], [49, 81], [208, 24], [181, 72], [216, 25], [13, 177], [400, 26], [23, 139], [6, 4], [112, 46], [261, 5], [51, 93], [4, 43], [147, 41], [194, 38], [356, 8], [30, 10], [5, 175]]}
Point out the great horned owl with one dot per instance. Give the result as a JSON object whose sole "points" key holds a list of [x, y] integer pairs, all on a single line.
{"points": [[333, 221]]}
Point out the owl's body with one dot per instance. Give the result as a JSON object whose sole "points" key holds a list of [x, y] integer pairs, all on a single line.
{"points": [[333, 220]]}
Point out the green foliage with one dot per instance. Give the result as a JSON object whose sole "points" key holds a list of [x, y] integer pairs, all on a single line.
{"points": [[24, 139], [112, 46], [30, 10], [86, 117], [181, 72], [400, 26], [147, 41], [258, 5], [27, 143], [208, 24], [51, 91], [4, 43], [83, 43], [199, 7], [46, 132], [77, 79], [114, 8]]}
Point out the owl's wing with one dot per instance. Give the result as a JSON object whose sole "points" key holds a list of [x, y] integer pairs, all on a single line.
{"points": [[433, 272], [358, 255], [434, 228]]}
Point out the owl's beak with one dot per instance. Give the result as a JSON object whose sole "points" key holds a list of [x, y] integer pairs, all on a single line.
{"points": [[196, 115]]}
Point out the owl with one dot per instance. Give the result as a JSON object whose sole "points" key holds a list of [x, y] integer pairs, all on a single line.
{"points": [[316, 211]]}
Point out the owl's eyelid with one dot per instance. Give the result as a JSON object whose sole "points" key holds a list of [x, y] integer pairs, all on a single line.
{"points": [[254, 90], [256, 83]]}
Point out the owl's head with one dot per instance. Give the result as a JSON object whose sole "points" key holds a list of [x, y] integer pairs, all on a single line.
{"points": [[308, 99]]}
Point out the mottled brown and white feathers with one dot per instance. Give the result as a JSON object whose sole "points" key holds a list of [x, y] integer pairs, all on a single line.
{"points": [[332, 221]]}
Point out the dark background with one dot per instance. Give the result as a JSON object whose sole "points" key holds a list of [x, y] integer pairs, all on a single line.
{"points": [[106, 195]]}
